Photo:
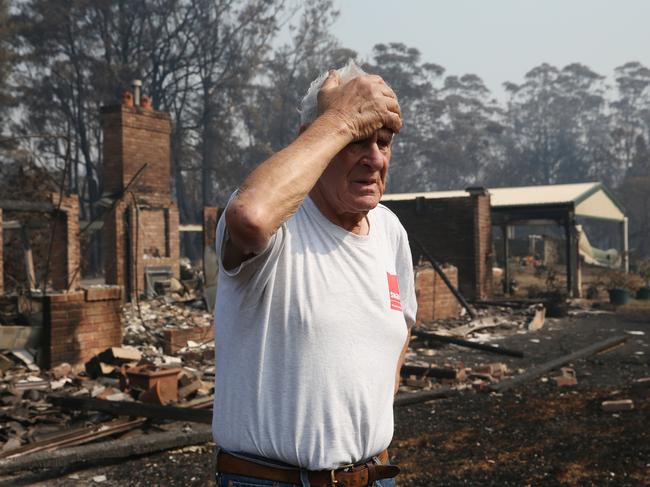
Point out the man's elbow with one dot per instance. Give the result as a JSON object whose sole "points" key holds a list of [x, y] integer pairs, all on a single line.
{"points": [[247, 227]]}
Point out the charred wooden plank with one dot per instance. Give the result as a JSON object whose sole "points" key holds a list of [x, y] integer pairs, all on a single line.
{"points": [[408, 398], [466, 343], [136, 409], [75, 437], [106, 451]]}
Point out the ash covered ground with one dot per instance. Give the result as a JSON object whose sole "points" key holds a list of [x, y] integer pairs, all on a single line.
{"points": [[534, 434]]}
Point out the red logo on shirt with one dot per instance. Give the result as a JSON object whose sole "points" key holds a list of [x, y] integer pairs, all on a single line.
{"points": [[393, 292]]}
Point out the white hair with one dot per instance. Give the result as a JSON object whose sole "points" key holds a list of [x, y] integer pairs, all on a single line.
{"points": [[309, 105]]}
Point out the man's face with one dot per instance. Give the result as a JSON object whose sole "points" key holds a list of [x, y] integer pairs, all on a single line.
{"points": [[355, 179]]}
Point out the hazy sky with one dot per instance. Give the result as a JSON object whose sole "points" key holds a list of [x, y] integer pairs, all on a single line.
{"points": [[501, 40]]}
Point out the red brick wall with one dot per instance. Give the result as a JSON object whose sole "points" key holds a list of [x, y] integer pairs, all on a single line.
{"points": [[483, 247], [65, 260], [80, 324], [114, 246], [435, 300], [164, 229], [453, 230], [2, 265], [154, 229]]}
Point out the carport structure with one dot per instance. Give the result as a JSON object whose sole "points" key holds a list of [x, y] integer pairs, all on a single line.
{"points": [[558, 204]]}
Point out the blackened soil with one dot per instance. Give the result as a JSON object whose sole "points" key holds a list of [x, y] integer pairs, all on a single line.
{"points": [[534, 434], [538, 433]]}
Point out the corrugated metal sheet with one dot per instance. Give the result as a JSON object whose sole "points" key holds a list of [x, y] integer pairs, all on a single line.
{"points": [[539, 195]]}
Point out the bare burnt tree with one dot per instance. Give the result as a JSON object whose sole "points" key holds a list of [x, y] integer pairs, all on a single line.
{"points": [[194, 56], [6, 63], [271, 117], [229, 44], [556, 126]]}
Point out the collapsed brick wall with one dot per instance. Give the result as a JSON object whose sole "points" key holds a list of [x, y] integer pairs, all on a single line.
{"points": [[80, 324], [435, 300], [455, 231], [37, 229], [177, 338], [65, 257]]}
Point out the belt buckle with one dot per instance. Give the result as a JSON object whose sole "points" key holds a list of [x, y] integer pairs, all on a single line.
{"points": [[343, 468], [333, 480]]}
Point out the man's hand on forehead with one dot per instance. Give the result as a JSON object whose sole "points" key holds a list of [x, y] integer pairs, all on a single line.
{"points": [[385, 133], [365, 104]]}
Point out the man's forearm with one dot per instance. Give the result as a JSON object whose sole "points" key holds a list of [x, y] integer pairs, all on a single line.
{"points": [[278, 186]]}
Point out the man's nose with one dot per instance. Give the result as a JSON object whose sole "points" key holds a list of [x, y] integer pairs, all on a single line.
{"points": [[372, 156]]}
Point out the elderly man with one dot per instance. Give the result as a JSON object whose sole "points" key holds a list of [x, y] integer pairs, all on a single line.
{"points": [[315, 300]]}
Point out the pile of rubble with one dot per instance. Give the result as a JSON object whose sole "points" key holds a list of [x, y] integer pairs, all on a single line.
{"points": [[166, 361], [166, 330], [67, 405], [430, 367]]}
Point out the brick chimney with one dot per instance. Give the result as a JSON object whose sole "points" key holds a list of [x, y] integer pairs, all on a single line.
{"points": [[144, 235], [135, 135]]}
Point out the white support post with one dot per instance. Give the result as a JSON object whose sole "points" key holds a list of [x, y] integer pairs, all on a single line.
{"points": [[626, 245]]}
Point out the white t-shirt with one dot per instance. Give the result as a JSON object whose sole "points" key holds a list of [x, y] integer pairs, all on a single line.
{"points": [[308, 337]]}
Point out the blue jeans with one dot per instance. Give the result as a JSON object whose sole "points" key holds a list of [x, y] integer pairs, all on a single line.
{"points": [[227, 480]]}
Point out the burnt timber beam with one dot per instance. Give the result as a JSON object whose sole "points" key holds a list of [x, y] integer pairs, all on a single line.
{"points": [[408, 398], [107, 451], [558, 362], [467, 343], [130, 408], [75, 437]]}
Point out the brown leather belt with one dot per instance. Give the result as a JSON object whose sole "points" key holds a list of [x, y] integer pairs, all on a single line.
{"points": [[353, 476]]}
